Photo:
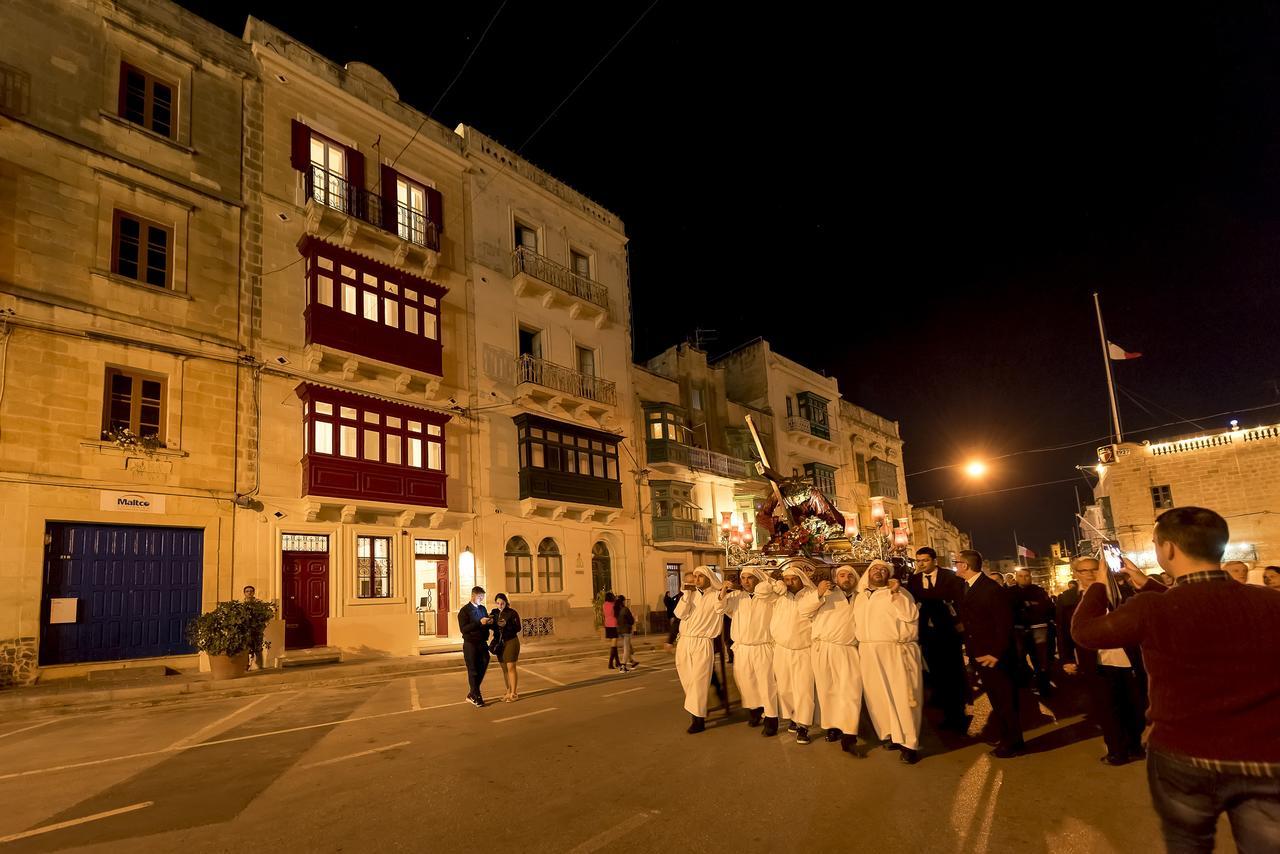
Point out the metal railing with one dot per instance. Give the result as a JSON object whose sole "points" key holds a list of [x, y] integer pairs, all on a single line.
{"points": [[803, 425], [543, 269], [682, 530], [334, 191], [553, 376], [669, 451]]}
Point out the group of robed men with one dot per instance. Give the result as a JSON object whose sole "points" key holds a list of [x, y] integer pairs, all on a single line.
{"points": [[810, 653]]}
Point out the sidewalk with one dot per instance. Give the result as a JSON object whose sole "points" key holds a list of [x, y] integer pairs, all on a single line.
{"points": [[79, 692]]}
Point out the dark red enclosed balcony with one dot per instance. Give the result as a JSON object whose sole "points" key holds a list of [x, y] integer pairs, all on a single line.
{"points": [[368, 308], [365, 448]]}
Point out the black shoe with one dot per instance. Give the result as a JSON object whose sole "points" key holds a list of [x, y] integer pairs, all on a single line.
{"points": [[833, 734], [849, 744], [1114, 759], [909, 756], [471, 698], [802, 735], [754, 718], [698, 725], [479, 701], [1009, 752], [770, 727], [791, 727], [890, 744], [1137, 753]]}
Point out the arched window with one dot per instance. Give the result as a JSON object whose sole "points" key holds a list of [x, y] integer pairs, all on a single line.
{"points": [[601, 568], [550, 566], [519, 566]]}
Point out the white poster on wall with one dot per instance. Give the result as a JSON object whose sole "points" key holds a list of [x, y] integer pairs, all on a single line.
{"points": [[132, 502]]}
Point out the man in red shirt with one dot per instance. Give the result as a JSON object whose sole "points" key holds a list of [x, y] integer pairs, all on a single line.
{"points": [[1209, 645]]}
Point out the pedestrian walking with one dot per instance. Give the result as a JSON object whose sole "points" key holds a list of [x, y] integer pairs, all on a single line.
{"points": [[626, 624], [987, 615], [1032, 614], [837, 675], [752, 609], [507, 634], [611, 628], [792, 632], [700, 609], [938, 592], [887, 621], [476, 626], [1115, 682], [1209, 644]]}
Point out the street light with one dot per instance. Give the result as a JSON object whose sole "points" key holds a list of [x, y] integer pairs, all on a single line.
{"points": [[975, 468]]}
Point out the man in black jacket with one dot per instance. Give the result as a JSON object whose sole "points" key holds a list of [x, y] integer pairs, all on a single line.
{"points": [[1032, 617], [475, 624], [987, 615], [939, 592]]}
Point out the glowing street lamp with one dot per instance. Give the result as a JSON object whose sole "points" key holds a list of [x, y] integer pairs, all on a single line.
{"points": [[975, 468]]}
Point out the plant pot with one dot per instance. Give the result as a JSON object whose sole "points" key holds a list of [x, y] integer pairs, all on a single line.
{"points": [[229, 666]]}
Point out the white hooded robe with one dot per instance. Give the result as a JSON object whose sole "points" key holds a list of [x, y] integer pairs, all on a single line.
{"points": [[836, 670], [701, 615], [792, 657], [892, 678], [753, 644]]}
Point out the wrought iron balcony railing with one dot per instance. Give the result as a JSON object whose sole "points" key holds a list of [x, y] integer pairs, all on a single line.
{"points": [[557, 377], [545, 270], [334, 191], [804, 425], [683, 531], [667, 451]]}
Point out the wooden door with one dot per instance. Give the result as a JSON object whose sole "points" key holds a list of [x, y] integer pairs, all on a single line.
{"points": [[443, 606], [306, 600]]}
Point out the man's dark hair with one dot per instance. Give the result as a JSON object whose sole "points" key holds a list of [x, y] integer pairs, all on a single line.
{"points": [[1073, 583], [973, 558], [476, 589], [1197, 532], [927, 551], [609, 597]]}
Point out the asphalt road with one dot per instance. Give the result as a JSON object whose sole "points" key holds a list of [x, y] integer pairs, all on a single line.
{"points": [[587, 760]]}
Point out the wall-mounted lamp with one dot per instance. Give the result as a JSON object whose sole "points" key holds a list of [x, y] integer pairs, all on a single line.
{"points": [[467, 570]]}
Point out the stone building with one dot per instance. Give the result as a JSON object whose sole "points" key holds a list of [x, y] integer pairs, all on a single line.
{"points": [[1235, 472], [122, 320], [872, 464], [929, 527]]}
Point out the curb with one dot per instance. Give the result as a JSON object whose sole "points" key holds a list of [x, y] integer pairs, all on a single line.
{"points": [[279, 679]]}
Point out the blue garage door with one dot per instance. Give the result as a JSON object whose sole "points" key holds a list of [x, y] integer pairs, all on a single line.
{"points": [[136, 586]]}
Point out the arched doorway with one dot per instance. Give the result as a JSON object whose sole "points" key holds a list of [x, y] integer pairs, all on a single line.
{"points": [[601, 568]]}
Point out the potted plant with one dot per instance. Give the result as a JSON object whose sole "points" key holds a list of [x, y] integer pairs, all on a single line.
{"points": [[229, 633]]}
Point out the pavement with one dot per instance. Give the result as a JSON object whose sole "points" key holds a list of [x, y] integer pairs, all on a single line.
{"points": [[587, 760]]}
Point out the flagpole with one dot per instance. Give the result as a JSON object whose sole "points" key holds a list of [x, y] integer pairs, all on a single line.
{"points": [[1017, 550], [1106, 362]]}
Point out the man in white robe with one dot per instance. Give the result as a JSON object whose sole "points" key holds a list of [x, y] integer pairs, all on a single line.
{"points": [[887, 620], [701, 614], [751, 610], [791, 629], [836, 671]]}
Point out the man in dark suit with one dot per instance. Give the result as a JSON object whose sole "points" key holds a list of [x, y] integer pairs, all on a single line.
{"points": [[987, 615], [475, 625], [939, 592]]}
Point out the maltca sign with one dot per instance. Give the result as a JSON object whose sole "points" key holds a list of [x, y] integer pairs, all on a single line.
{"points": [[133, 502]]}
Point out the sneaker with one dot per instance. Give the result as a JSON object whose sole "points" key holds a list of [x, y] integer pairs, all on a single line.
{"points": [[833, 734], [802, 735], [472, 700], [624, 668], [791, 727]]}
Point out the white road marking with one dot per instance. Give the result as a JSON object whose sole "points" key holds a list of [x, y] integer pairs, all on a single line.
{"points": [[209, 729], [541, 676], [37, 726], [13, 837], [628, 691], [356, 755], [525, 715], [414, 703], [600, 840]]}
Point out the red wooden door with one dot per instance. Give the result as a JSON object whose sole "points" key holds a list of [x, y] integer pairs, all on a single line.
{"points": [[442, 599], [306, 600]]}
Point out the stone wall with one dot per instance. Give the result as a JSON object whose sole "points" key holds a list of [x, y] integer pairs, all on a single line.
{"points": [[17, 661]]}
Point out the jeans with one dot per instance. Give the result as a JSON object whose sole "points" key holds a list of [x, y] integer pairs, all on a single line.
{"points": [[1189, 800], [476, 656], [626, 655]]}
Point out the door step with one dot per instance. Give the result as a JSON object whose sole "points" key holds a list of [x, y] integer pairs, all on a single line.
{"points": [[315, 655], [131, 674]]}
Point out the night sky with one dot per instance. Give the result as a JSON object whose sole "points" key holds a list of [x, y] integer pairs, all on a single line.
{"points": [[918, 202]]}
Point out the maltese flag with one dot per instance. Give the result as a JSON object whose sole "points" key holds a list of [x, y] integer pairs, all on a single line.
{"points": [[1118, 353]]}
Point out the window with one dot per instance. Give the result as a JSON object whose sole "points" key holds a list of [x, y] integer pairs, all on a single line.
{"points": [[860, 465], [134, 401], [530, 342], [550, 566], [526, 237], [370, 430], [580, 263], [822, 477], [141, 250], [519, 566], [147, 100], [789, 406], [883, 477], [814, 410], [695, 398], [673, 499], [586, 361], [373, 567], [555, 446], [1161, 497], [329, 184], [411, 211], [665, 422]]}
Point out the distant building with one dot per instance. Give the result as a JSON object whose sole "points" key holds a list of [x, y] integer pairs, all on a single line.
{"points": [[930, 528], [1233, 472]]}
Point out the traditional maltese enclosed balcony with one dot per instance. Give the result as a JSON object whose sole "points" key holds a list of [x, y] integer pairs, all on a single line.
{"points": [[537, 276]]}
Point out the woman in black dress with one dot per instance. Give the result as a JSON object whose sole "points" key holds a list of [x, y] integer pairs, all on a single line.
{"points": [[509, 638]]}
